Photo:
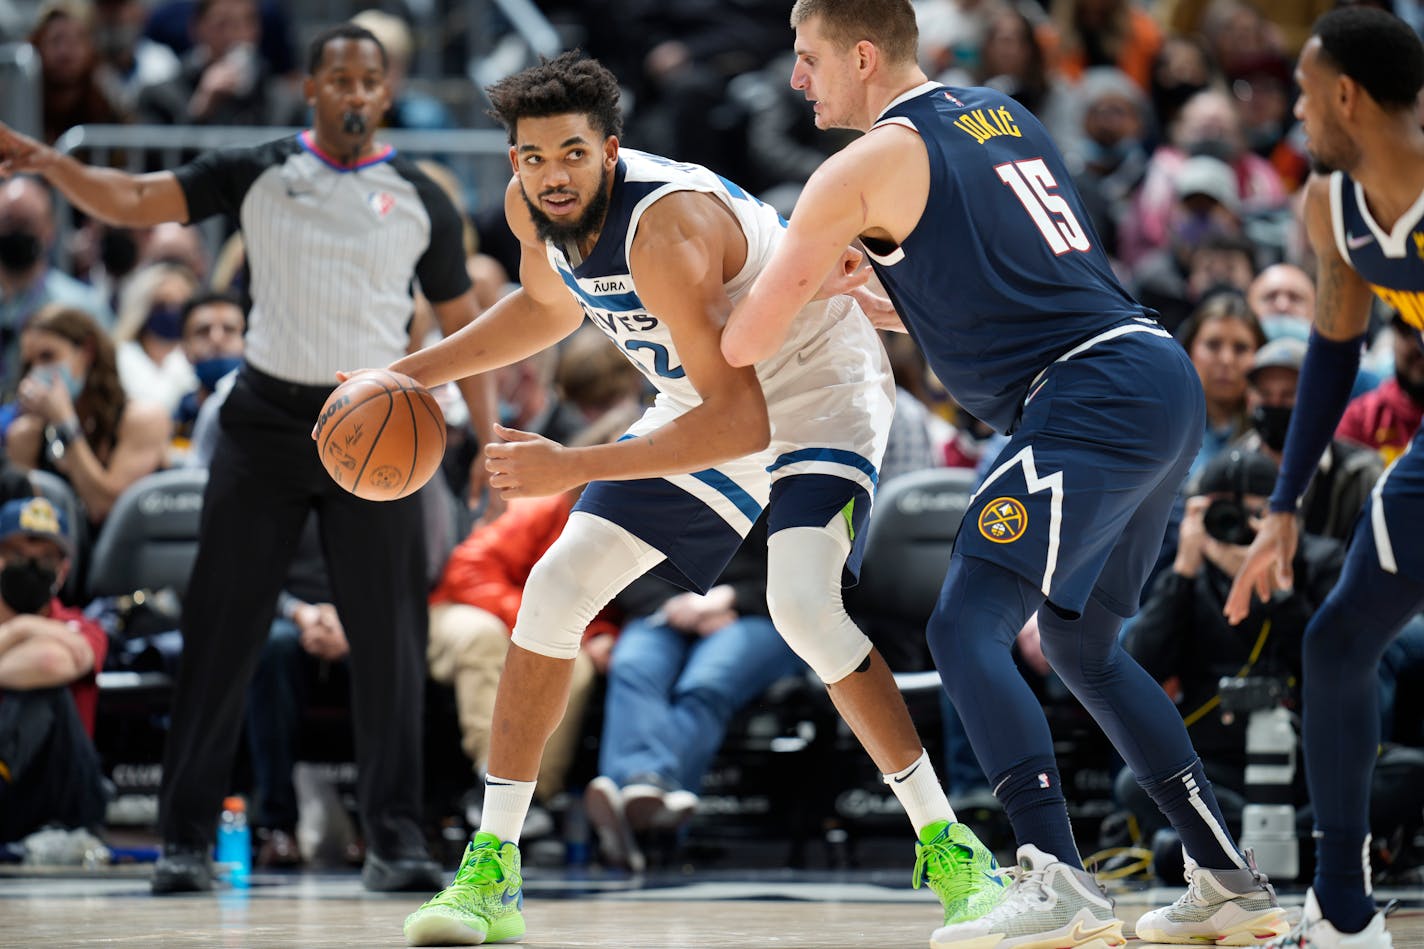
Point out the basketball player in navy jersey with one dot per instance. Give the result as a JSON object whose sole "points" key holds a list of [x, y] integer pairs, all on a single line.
{"points": [[1359, 75], [966, 210], [654, 252]]}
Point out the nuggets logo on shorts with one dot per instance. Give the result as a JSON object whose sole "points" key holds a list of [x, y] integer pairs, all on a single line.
{"points": [[1003, 520]]}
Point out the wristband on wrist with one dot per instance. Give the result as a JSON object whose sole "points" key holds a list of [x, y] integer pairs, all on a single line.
{"points": [[59, 437]]}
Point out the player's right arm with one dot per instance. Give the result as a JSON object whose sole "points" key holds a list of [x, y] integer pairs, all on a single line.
{"points": [[115, 197], [1342, 314], [848, 196], [531, 319]]}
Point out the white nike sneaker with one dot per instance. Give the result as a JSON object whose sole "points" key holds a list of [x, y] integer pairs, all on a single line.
{"points": [[1221, 907], [1314, 931], [1049, 905]]}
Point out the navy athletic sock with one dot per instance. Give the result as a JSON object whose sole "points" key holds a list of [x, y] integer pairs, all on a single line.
{"points": [[1032, 795], [1341, 886], [1143, 724], [981, 609], [1186, 800], [1340, 691]]}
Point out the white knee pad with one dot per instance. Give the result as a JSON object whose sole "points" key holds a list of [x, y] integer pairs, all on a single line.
{"points": [[803, 593], [591, 561]]}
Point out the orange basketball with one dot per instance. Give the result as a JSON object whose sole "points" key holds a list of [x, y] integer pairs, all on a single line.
{"points": [[381, 435]]}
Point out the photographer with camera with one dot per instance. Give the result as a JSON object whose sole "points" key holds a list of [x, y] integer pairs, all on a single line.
{"points": [[1347, 471], [1184, 642]]}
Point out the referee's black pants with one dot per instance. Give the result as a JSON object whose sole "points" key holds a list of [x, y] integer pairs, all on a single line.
{"points": [[264, 479]]}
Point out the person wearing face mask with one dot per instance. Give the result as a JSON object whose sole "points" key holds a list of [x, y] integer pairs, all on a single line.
{"points": [[74, 417], [1206, 212], [49, 654], [211, 325], [339, 229], [1108, 157], [148, 335], [1184, 642], [27, 282], [1347, 471], [1209, 125]]}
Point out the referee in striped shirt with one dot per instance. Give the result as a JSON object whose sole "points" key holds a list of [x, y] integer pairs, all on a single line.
{"points": [[337, 227]]}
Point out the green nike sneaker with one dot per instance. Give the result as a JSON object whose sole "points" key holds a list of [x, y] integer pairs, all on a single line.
{"points": [[482, 905], [960, 870]]}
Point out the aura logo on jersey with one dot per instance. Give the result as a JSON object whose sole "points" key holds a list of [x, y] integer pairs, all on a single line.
{"points": [[1003, 520]]}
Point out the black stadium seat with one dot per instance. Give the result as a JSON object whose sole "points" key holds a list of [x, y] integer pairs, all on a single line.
{"points": [[907, 549], [147, 543], [150, 538]]}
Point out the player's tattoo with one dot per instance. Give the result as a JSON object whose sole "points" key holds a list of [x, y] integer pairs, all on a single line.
{"points": [[1335, 315]]}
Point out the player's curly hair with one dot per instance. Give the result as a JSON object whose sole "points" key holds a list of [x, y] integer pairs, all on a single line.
{"points": [[570, 83], [1376, 49], [889, 24]]}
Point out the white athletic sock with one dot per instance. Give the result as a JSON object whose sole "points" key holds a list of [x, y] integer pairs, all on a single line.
{"points": [[506, 806], [919, 791]]}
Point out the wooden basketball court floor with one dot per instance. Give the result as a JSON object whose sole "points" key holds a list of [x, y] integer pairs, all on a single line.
{"points": [[784, 910]]}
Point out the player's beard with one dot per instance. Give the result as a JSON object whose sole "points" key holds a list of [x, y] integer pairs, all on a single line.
{"points": [[1335, 150], [571, 232]]}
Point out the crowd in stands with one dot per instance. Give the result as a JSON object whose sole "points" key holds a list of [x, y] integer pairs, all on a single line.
{"points": [[1176, 118]]}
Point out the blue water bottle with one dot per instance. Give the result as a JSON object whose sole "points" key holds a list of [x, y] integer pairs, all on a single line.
{"points": [[235, 843]]}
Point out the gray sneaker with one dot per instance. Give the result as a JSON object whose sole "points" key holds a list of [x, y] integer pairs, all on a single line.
{"points": [[1048, 904], [1221, 907]]}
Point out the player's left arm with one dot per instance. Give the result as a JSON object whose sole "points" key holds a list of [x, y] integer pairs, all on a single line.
{"points": [[1327, 377], [679, 260], [846, 197]]}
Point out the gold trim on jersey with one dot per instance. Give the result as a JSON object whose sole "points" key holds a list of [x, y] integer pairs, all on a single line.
{"points": [[1409, 303]]}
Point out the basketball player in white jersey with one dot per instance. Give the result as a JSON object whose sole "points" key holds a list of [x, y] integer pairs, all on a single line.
{"points": [[655, 252]]}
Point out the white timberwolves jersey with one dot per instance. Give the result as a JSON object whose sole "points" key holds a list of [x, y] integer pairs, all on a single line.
{"points": [[814, 385]]}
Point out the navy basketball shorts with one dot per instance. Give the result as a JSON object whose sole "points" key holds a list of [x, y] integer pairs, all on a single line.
{"points": [[697, 521], [1393, 516], [1079, 498]]}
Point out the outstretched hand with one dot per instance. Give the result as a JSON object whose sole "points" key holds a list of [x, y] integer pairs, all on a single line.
{"points": [[20, 154], [1268, 564], [526, 465]]}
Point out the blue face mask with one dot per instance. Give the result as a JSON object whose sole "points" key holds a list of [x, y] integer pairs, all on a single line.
{"points": [[47, 374], [165, 322], [209, 371], [1278, 325]]}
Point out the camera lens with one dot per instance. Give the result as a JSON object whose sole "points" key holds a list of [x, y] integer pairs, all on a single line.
{"points": [[1225, 520]]}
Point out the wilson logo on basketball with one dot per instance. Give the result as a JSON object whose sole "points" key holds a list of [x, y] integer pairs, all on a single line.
{"points": [[1003, 520], [332, 408]]}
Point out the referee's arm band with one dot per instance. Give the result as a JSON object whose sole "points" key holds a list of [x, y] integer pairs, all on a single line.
{"points": [[1326, 378]]}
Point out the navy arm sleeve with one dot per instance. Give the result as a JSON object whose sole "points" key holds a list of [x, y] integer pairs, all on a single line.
{"points": [[1326, 378]]}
